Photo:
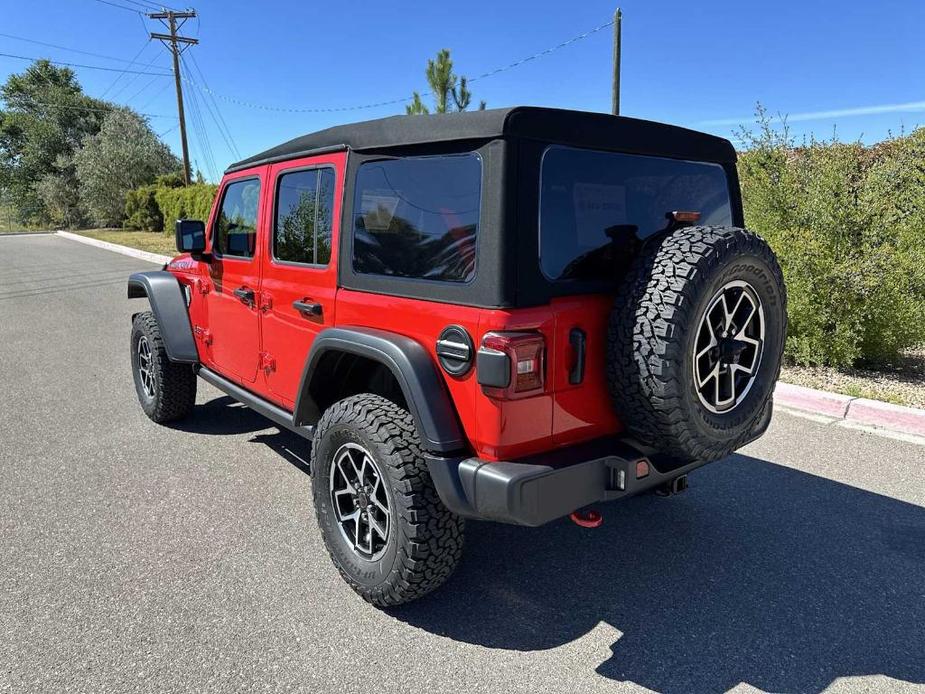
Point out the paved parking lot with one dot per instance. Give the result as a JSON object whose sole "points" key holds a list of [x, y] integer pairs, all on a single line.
{"points": [[135, 557]]}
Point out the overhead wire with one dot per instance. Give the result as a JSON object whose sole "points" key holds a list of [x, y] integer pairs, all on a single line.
{"points": [[404, 99], [216, 114], [88, 67]]}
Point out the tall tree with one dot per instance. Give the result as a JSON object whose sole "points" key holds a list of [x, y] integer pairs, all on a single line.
{"points": [[450, 92], [123, 155], [44, 118]]}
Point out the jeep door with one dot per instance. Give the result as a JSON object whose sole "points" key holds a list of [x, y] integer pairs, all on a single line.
{"points": [[234, 272], [299, 267]]}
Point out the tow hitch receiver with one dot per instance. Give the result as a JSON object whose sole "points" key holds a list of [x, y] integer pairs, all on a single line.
{"points": [[672, 487], [587, 518]]}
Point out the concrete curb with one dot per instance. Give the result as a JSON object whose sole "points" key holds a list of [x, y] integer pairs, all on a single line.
{"points": [[909, 420], [116, 248]]}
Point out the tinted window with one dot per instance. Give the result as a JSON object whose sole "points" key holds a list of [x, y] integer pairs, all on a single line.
{"points": [[593, 203], [304, 210], [236, 226], [418, 217]]}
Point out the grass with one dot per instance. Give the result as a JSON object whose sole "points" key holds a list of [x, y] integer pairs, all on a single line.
{"points": [[151, 241]]}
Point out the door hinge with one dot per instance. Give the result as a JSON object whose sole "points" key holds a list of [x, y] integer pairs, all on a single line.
{"points": [[267, 362], [266, 301], [202, 286], [203, 334]]}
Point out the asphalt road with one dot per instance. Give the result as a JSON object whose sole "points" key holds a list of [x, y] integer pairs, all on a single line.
{"points": [[135, 557]]}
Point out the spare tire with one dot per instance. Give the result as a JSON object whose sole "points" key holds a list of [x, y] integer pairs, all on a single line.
{"points": [[695, 342]]}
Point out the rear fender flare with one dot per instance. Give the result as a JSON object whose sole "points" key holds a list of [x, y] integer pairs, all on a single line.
{"points": [[168, 304], [413, 368]]}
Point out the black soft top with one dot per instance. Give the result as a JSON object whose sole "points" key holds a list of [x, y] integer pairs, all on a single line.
{"points": [[576, 128]]}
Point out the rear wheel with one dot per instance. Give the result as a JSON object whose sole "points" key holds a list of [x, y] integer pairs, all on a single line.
{"points": [[695, 342], [383, 524], [166, 390]]}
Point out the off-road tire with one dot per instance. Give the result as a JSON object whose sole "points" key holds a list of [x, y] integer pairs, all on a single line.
{"points": [[651, 337], [425, 541], [174, 391]]}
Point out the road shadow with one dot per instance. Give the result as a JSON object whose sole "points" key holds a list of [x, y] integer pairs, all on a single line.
{"points": [[759, 574], [225, 416]]}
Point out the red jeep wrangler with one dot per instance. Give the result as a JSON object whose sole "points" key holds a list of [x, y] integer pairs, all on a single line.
{"points": [[508, 315]]}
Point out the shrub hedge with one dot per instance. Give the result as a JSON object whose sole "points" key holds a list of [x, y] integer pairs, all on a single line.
{"points": [[847, 222], [154, 207]]}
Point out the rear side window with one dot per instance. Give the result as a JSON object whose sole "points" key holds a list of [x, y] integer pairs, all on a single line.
{"points": [[418, 217], [592, 203], [304, 211], [236, 226]]}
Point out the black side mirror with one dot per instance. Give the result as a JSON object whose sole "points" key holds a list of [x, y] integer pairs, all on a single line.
{"points": [[191, 236]]}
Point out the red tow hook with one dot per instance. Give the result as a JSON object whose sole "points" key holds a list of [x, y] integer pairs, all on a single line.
{"points": [[587, 519]]}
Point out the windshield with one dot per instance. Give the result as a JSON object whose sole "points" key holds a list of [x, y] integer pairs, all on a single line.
{"points": [[592, 204]]}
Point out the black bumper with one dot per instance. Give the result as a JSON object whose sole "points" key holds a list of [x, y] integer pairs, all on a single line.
{"points": [[537, 490]]}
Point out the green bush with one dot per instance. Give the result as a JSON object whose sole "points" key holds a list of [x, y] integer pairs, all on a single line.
{"points": [[189, 202], [847, 222], [142, 211], [157, 206]]}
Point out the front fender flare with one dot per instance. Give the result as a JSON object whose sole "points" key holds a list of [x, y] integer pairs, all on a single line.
{"points": [[169, 306], [414, 370]]}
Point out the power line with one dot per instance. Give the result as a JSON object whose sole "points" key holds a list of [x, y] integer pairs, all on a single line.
{"points": [[217, 116], [93, 108], [65, 48], [131, 80], [404, 99], [121, 7], [112, 84], [88, 67]]}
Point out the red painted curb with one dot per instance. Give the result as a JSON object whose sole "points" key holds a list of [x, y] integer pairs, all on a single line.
{"points": [[818, 401], [883, 414]]}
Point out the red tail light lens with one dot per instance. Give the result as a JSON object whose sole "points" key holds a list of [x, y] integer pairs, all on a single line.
{"points": [[525, 363]]}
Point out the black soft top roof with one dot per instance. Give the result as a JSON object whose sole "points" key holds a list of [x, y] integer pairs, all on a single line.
{"points": [[577, 128]]}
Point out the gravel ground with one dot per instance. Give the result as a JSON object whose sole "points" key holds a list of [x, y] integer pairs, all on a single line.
{"points": [[902, 383]]}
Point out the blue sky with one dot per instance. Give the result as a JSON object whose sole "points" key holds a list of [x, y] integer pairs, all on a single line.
{"points": [[854, 66]]}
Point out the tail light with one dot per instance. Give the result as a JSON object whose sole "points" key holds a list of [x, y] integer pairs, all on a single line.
{"points": [[511, 365]]}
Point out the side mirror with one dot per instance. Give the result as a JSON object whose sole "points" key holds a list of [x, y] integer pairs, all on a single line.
{"points": [[191, 236]]}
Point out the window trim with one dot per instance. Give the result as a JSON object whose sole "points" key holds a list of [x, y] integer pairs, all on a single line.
{"points": [[218, 214], [275, 206], [400, 278], [539, 207]]}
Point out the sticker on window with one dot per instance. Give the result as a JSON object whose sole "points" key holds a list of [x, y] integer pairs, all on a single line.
{"points": [[378, 210], [597, 207]]}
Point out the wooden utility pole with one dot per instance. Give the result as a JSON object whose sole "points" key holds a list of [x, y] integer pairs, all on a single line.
{"points": [[173, 42], [615, 104]]}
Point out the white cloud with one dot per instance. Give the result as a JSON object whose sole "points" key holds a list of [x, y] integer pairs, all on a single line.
{"points": [[910, 107]]}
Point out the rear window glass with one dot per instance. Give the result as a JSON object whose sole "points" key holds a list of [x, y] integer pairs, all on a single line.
{"points": [[592, 202], [236, 225], [304, 209], [418, 217]]}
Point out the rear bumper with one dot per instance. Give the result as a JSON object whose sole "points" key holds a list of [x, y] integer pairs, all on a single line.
{"points": [[537, 490]]}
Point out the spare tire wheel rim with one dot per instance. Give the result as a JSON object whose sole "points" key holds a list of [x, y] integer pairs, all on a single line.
{"points": [[360, 501], [728, 347]]}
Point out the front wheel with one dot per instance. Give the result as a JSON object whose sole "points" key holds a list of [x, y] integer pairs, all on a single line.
{"points": [[166, 390], [383, 524]]}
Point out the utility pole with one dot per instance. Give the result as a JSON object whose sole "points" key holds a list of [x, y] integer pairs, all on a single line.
{"points": [[173, 42], [615, 104]]}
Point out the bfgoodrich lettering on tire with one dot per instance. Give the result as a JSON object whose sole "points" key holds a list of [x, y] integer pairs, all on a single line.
{"points": [[383, 524], [695, 341]]}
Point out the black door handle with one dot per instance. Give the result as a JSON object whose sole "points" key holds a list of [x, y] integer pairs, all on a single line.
{"points": [[245, 295], [307, 308], [577, 339]]}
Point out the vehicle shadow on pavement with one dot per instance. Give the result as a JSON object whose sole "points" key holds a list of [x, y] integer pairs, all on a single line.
{"points": [[759, 574], [224, 416]]}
